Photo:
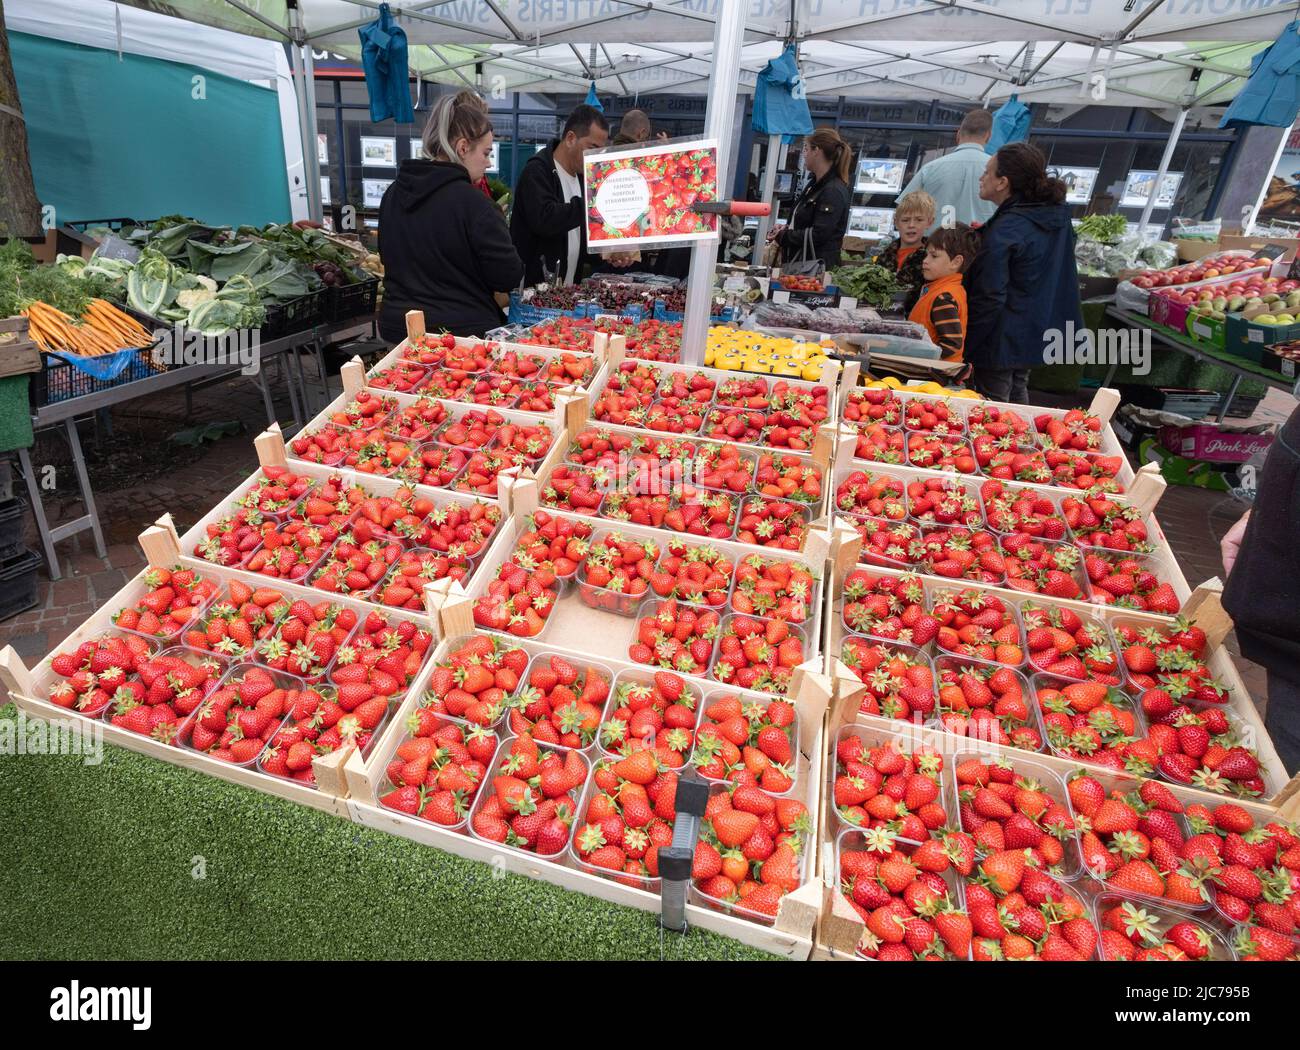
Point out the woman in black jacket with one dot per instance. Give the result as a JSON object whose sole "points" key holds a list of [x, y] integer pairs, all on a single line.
{"points": [[1022, 290], [821, 214], [444, 244]]}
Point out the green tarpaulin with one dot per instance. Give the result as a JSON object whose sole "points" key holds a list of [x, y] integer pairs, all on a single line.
{"points": [[138, 137]]}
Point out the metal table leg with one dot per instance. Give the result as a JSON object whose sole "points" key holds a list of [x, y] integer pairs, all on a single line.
{"points": [[1226, 403], [38, 511], [267, 403], [87, 495], [297, 370], [319, 347], [289, 385]]}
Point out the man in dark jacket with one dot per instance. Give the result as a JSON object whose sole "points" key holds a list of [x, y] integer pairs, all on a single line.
{"points": [[1262, 559], [445, 249], [1021, 288], [549, 223]]}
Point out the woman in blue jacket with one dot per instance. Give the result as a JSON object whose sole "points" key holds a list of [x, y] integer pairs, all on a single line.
{"points": [[1022, 290]]}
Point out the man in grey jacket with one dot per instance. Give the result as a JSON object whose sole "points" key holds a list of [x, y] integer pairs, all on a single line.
{"points": [[953, 180]]}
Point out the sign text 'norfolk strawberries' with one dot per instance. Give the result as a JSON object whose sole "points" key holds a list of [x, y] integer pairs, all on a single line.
{"points": [[643, 197]]}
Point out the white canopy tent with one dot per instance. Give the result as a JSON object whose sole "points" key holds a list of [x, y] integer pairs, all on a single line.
{"points": [[1084, 52], [880, 48], [1150, 53]]}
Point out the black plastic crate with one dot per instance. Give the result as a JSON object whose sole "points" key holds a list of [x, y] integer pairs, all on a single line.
{"points": [[60, 380], [344, 302], [1243, 407], [18, 584], [13, 519], [82, 225], [69, 236], [294, 316]]}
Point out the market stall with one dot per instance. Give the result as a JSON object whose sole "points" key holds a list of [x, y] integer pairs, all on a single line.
{"points": [[424, 504], [111, 324], [703, 615]]}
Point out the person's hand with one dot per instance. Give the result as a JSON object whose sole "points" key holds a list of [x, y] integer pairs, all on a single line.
{"points": [[776, 232], [1230, 545], [662, 136]]}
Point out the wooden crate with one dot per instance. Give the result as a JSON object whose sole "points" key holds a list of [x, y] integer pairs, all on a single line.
{"points": [[839, 927], [19, 354], [371, 483], [789, 934], [1103, 405], [1219, 662], [829, 380], [1166, 564], [603, 634], [397, 354]]}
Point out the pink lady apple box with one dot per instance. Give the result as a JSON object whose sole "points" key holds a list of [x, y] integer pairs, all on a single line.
{"points": [[1205, 442]]}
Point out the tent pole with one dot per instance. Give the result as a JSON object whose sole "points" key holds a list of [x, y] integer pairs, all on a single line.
{"points": [[312, 157], [1164, 167], [306, 131], [767, 192], [728, 35]]}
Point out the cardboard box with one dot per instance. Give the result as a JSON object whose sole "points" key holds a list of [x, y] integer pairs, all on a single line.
{"points": [[1243, 338], [1168, 312], [915, 368], [829, 297], [1230, 237], [1206, 329], [1286, 367], [1189, 250], [1202, 441]]}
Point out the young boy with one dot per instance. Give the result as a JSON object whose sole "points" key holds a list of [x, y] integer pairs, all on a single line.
{"points": [[941, 306], [904, 253]]}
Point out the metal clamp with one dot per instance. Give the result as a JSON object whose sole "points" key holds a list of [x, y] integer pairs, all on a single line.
{"points": [[677, 859]]}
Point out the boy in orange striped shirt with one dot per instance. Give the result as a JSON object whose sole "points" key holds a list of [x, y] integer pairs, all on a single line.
{"points": [[942, 305]]}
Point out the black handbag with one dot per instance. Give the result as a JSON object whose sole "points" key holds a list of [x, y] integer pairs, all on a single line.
{"points": [[806, 264]]}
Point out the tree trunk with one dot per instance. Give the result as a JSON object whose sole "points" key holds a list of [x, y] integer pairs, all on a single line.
{"points": [[20, 211]]}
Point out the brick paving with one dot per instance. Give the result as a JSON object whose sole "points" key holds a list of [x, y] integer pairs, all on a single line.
{"points": [[1194, 520]]}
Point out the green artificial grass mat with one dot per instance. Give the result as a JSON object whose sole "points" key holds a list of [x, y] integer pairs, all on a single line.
{"points": [[97, 863]]}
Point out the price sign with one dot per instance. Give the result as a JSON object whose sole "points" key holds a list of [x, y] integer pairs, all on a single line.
{"points": [[642, 197]]}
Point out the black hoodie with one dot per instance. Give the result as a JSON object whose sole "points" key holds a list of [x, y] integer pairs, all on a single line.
{"points": [[542, 218], [445, 249]]}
